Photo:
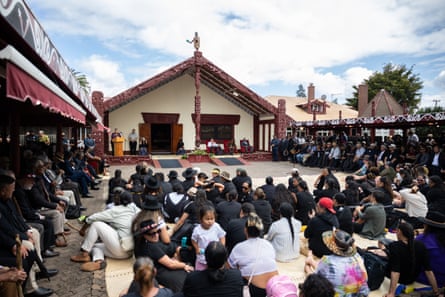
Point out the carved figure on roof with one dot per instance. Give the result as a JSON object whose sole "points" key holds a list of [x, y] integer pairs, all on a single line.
{"points": [[195, 41]]}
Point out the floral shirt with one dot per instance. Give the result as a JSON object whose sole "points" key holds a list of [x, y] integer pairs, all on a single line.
{"points": [[347, 274]]}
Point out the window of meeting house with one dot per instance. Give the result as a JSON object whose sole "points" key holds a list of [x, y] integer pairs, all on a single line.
{"points": [[216, 131]]}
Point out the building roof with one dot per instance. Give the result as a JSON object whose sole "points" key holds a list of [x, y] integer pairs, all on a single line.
{"points": [[297, 113], [384, 105], [210, 75]]}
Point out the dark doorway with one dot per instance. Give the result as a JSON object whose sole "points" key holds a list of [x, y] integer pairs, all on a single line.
{"points": [[161, 138]]}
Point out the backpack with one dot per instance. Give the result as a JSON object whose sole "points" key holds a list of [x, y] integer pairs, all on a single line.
{"points": [[376, 268], [172, 211], [281, 286]]}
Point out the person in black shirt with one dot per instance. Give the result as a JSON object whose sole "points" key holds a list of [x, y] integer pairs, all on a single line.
{"points": [[215, 280]]}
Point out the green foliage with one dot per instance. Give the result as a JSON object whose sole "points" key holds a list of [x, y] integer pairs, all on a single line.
{"points": [[82, 80], [301, 91], [401, 82], [423, 131]]}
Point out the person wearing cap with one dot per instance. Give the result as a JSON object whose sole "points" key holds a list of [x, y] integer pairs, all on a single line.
{"points": [[344, 268], [323, 219], [433, 237], [113, 228], [216, 175], [371, 217], [171, 272]]}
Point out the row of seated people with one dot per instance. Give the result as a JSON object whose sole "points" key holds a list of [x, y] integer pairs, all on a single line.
{"points": [[151, 232], [36, 206], [227, 146]]}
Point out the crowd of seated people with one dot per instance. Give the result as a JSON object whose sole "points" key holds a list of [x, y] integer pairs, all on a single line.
{"points": [[361, 206], [375, 198]]}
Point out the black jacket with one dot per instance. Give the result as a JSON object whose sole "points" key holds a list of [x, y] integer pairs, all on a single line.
{"points": [[315, 228]]}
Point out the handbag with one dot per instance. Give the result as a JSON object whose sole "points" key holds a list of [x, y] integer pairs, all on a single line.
{"points": [[246, 289], [72, 212]]}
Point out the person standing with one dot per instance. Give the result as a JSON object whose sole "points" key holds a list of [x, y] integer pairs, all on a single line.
{"points": [[274, 144], [133, 141], [114, 135]]}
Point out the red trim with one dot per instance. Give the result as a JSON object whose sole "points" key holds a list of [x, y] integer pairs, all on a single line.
{"points": [[20, 86], [218, 119], [160, 118]]}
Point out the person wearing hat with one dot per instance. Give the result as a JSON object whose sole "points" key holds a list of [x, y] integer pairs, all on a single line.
{"points": [[433, 237], [228, 186], [113, 228], [371, 218], [173, 177], [171, 272], [189, 175], [323, 219], [344, 268], [216, 176]]}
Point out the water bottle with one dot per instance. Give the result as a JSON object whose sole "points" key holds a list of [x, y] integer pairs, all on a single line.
{"points": [[184, 242]]}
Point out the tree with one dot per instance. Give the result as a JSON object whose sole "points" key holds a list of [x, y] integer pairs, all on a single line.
{"points": [[398, 80], [301, 92], [422, 131], [82, 80]]}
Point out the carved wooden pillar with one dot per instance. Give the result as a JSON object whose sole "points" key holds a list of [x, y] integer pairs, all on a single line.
{"points": [[198, 56], [59, 143], [280, 120], [97, 131], [256, 132]]}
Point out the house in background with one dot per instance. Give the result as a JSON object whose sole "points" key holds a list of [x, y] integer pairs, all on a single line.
{"points": [[194, 100]]}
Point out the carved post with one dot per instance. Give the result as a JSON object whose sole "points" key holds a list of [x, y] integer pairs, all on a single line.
{"points": [[197, 100]]}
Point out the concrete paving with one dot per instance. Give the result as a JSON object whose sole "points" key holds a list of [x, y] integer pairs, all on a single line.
{"points": [[74, 283]]}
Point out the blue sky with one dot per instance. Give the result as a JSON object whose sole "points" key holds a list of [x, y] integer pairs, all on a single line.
{"points": [[271, 46]]}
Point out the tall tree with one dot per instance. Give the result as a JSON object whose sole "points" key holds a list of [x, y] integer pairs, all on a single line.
{"points": [[301, 91], [400, 81], [82, 80]]}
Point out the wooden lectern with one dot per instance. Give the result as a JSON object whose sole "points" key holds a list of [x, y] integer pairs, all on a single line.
{"points": [[118, 143]]}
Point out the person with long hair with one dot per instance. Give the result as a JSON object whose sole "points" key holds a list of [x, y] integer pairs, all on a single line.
{"points": [[433, 238], [215, 280], [283, 234], [407, 258], [171, 272], [282, 194]]}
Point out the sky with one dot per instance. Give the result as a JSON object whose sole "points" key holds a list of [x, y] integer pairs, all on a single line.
{"points": [[271, 46]]}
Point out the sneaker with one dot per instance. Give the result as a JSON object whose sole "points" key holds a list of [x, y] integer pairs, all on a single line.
{"points": [[93, 266], [81, 258]]}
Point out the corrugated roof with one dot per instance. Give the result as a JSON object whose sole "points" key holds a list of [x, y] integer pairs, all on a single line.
{"points": [[294, 110]]}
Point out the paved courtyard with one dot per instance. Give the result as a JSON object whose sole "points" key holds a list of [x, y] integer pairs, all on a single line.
{"points": [[72, 282]]}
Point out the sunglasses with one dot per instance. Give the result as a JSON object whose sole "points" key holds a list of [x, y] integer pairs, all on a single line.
{"points": [[153, 233]]}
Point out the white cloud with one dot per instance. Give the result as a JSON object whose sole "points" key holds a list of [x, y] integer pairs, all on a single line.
{"points": [[439, 81], [103, 75], [258, 41]]}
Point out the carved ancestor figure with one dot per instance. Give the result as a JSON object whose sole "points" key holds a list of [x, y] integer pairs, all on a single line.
{"points": [[195, 41]]}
